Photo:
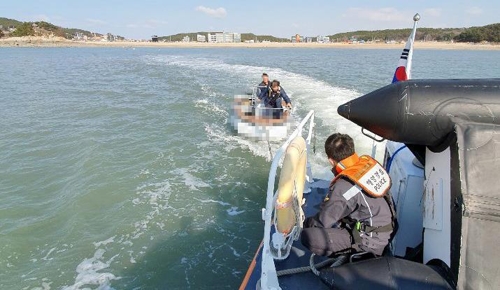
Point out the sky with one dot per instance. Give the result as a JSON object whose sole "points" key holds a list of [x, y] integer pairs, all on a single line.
{"points": [[141, 19]]}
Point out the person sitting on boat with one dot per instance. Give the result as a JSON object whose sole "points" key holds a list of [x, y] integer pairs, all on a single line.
{"points": [[357, 213], [273, 97]]}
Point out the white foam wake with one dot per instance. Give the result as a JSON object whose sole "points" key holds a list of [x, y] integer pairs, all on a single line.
{"points": [[89, 273], [307, 93]]}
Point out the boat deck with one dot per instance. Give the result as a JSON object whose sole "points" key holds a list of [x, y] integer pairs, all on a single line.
{"points": [[299, 255]]}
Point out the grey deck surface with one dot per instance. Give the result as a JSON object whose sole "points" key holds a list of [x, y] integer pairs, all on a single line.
{"points": [[299, 256]]}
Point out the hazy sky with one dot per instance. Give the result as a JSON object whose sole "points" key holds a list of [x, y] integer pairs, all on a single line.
{"points": [[141, 19]]}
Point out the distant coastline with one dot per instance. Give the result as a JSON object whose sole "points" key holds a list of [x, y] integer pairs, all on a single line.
{"points": [[33, 41], [14, 33]]}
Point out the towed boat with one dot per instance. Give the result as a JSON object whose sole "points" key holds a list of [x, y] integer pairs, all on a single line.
{"points": [[251, 119], [441, 154]]}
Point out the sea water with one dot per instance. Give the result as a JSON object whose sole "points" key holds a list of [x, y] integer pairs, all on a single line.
{"points": [[119, 170]]}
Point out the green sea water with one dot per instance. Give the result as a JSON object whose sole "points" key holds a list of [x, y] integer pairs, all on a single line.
{"points": [[118, 169]]}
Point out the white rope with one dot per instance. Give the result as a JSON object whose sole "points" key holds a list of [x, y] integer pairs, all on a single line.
{"points": [[269, 147]]}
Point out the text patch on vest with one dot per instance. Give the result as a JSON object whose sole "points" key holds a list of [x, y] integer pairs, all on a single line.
{"points": [[376, 180]]}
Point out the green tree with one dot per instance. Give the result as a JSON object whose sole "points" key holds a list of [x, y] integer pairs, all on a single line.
{"points": [[489, 33], [25, 29], [56, 30]]}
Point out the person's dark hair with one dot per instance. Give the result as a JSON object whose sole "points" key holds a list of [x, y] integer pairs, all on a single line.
{"points": [[275, 82], [339, 146], [264, 75]]}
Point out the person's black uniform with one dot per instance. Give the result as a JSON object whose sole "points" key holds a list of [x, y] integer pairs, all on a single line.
{"points": [[357, 213]]}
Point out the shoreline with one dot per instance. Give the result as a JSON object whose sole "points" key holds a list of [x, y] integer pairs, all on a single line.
{"points": [[64, 43]]}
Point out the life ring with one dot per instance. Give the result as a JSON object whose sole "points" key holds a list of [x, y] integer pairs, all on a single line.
{"points": [[293, 174]]}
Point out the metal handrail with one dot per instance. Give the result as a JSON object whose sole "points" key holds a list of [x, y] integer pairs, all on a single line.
{"points": [[269, 278]]}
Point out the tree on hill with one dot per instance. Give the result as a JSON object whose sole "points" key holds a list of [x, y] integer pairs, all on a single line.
{"points": [[56, 30], [180, 36], [70, 32], [251, 36], [25, 29], [426, 34], [43, 29], [490, 33], [6, 22]]}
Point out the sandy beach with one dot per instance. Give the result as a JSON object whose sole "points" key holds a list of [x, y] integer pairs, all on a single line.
{"points": [[62, 42]]}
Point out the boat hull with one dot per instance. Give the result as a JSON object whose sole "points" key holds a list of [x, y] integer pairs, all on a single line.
{"points": [[257, 122]]}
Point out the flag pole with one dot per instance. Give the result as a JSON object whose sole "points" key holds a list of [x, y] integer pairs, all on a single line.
{"points": [[403, 71], [416, 18]]}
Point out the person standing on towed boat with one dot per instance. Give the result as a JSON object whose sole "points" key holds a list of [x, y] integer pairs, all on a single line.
{"points": [[357, 213]]}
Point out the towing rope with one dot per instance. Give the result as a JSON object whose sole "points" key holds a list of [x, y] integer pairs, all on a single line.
{"points": [[314, 140], [270, 151]]}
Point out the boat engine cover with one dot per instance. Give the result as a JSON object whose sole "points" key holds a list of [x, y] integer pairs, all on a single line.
{"points": [[383, 273]]}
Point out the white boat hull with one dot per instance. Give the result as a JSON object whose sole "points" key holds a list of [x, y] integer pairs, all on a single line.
{"points": [[272, 132]]}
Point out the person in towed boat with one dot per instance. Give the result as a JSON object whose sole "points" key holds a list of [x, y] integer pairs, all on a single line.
{"points": [[273, 97], [264, 85], [357, 213]]}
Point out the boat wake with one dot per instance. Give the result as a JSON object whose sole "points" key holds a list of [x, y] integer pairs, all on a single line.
{"points": [[160, 199], [307, 93]]}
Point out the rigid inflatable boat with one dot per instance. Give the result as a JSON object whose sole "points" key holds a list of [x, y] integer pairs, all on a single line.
{"points": [[251, 119], [443, 141]]}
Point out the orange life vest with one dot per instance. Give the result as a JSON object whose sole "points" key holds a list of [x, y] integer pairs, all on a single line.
{"points": [[366, 173]]}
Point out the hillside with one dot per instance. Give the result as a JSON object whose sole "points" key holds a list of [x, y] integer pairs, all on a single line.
{"points": [[244, 37], [428, 34], [490, 33], [180, 36], [487, 33], [251, 36], [6, 22], [64, 32], [42, 28]]}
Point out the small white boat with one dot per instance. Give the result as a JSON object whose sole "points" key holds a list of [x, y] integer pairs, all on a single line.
{"points": [[252, 119]]}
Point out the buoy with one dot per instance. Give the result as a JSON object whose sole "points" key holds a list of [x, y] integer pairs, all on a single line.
{"points": [[292, 177]]}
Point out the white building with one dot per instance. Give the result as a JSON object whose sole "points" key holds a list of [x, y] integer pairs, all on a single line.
{"points": [[224, 37], [220, 38], [186, 39], [211, 38], [78, 36], [201, 38], [236, 37], [323, 39]]}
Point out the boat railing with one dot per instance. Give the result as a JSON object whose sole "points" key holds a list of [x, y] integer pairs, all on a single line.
{"points": [[256, 107], [266, 112], [269, 278]]}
